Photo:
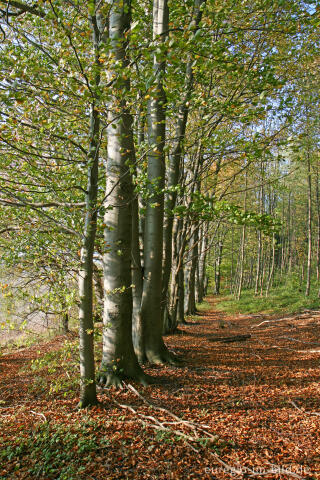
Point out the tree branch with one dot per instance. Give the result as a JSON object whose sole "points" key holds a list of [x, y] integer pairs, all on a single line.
{"points": [[22, 7]]}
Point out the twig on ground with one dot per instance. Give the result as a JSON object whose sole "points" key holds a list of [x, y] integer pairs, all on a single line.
{"points": [[40, 415], [226, 466], [274, 320], [303, 411], [192, 425], [299, 341], [280, 348]]}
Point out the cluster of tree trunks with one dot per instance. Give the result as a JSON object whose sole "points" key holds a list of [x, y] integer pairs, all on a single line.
{"points": [[154, 265]]}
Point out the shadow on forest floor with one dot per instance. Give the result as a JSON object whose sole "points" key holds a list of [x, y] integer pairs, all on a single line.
{"points": [[259, 399]]}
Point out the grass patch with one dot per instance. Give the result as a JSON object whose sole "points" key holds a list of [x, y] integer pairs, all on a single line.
{"points": [[287, 298], [203, 306]]}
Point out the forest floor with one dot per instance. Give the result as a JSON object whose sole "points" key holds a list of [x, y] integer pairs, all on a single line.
{"points": [[249, 408]]}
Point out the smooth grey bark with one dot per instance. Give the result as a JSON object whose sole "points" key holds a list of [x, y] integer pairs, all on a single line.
{"points": [[198, 267], [263, 269], [258, 268], [203, 262], [190, 301], [217, 279], [180, 303], [206, 285], [250, 275], [137, 282], [176, 307], [309, 260], [192, 282], [191, 238], [155, 350], [241, 262], [196, 288], [118, 356], [289, 260], [271, 256], [137, 270], [88, 394], [232, 260], [187, 270], [272, 266], [243, 244], [261, 210], [86, 328], [175, 159], [318, 224], [171, 299]]}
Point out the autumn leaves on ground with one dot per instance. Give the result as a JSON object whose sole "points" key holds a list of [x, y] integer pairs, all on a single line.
{"points": [[245, 404]]}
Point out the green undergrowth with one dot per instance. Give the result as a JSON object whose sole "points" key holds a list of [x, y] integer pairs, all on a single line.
{"points": [[204, 306], [28, 338], [201, 309], [55, 451], [288, 298], [57, 371]]}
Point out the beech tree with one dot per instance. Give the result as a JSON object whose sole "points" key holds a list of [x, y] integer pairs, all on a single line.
{"points": [[118, 358]]}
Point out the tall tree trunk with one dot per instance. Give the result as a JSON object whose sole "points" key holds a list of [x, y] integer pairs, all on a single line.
{"points": [[250, 275], [137, 270], [177, 288], [88, 394], [175, 159], [137, 281], [155, 350], [243, 244], [170, 321], [203, 261], [289, 234], [258, 270], [271, 267], [118, 356], [308, 284], [232, 260], [180, 303], [193, 259], [218, 261], [261, 210], [263, 269], [318, 223]]}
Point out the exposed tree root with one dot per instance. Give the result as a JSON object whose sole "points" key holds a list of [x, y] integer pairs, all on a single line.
{"points": [[163, 358], [87, 402], [116, 378]]}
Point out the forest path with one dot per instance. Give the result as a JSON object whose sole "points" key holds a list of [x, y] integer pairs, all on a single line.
{"points": [[259, 397]]}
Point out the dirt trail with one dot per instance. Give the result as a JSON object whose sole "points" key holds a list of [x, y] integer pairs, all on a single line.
{"points": [[259, 396]]}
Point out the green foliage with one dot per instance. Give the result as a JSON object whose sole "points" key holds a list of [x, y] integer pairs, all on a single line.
{"points": [[55, 451], [58, 370], [203, 207]]}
